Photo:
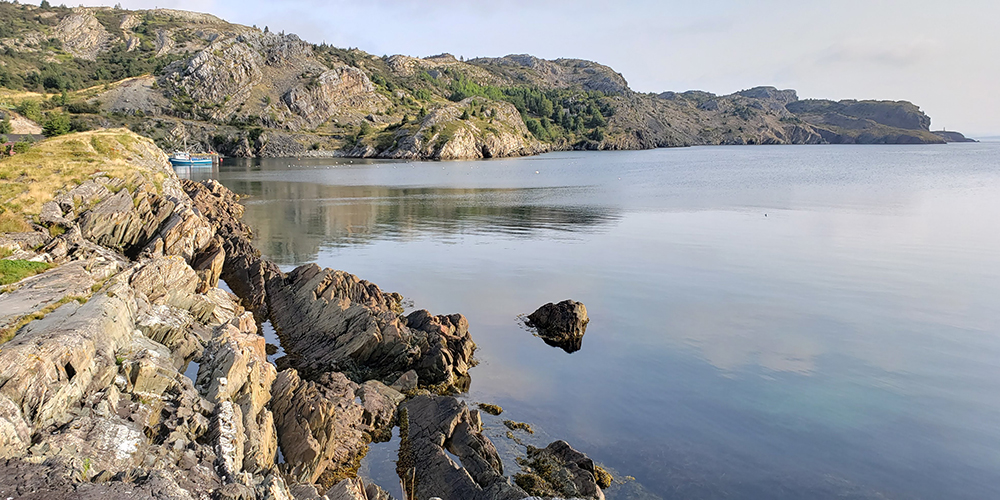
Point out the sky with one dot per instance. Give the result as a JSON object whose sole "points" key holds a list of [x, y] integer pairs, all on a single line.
{"points": [[942, 56]]}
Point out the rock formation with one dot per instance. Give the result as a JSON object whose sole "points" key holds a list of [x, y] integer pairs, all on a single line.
{"points": [[436, 426], [561, 325], [332, 320], [560, 470]]}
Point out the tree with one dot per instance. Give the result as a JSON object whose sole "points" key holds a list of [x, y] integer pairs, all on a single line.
{"points": [[45, 4], [30, 109], [56, 124], [5, 126], [465, 114]]}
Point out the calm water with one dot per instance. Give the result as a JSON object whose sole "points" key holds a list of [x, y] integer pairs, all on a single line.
{"points": [[766, 322]]}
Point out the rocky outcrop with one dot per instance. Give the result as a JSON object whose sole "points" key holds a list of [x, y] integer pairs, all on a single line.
{"points": [[561, 325], [560, 73], [560, 470], [332, 320], [324, 426], [356, 489], [92, 377], [235, 375], [242, 269], [319, 97], [950, 136], [472, 128], [83, 35], [436, 426]]}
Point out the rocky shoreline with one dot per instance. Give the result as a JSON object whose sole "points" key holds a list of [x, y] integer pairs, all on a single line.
{"points": [[94, 401]]}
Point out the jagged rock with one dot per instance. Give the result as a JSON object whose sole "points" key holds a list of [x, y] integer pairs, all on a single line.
{"points": [[51, 363], [561, 325], [164, 324], [150, 369], [235, 374], [83, 35], [164, 280], [406, 382], [320, 426], [23, 241], [498, 131], [561, 470], [183, 233], [59, 479], [125, 223], [332, 320], [243, 269], [379, 404], [439, 423], [356, 489], [317, 99]]}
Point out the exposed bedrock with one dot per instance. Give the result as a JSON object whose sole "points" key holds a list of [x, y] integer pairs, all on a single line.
{"points": [[324, 426], [242, 268], [431, 428], [332, 320]]}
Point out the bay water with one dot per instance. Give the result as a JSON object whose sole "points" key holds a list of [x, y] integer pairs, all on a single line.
{"points": [[767, 322]]}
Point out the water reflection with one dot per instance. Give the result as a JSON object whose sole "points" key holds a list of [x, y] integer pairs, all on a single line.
{"points": [[293, 220]]}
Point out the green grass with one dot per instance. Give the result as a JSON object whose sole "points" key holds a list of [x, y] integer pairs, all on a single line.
{"points": [[12, 271]]}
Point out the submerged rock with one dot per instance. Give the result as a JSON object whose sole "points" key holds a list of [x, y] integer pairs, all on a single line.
{"points": [[561, 325]]}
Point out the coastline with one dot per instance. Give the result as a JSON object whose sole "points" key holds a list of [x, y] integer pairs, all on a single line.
{"points": [[93, 397]]}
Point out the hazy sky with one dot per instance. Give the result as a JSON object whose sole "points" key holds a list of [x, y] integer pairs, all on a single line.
{"points": [[942, 55]]}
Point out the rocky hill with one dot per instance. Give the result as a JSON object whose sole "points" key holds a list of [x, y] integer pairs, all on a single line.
{"points": [[187, 78]]}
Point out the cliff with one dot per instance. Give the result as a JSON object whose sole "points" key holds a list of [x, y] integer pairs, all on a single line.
{"points": [[187, 78]]}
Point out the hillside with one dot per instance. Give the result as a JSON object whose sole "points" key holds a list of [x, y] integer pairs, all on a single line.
{"points": [[192, 79]]}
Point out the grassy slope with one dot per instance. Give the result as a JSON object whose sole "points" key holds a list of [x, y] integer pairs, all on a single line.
{"points": [[29, 180]]}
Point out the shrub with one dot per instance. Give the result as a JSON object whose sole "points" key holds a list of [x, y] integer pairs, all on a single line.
{"points": [[30, 109]]}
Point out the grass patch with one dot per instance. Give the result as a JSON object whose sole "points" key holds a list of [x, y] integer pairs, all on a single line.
{"points": [[30, 179], [11, 222], [12, 271]]}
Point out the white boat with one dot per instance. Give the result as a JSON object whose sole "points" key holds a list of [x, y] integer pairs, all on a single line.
{"points": [[183, 158]]}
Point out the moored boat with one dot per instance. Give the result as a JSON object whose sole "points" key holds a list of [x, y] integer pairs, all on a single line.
{"points": [[181, 158]]}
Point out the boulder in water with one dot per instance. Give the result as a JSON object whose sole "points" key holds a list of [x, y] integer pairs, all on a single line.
{"points": [[561, 325]]}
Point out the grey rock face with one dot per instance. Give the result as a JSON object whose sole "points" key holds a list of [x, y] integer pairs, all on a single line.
{"points": [[561, 325], [319, 425], [316, 100], [243, 269], [332, 320], [83, 35], [436, 424], [355, 489]]}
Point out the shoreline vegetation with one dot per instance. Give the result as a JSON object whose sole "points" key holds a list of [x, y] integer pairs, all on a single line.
{"points": [[192, 80], [111, 290]]}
